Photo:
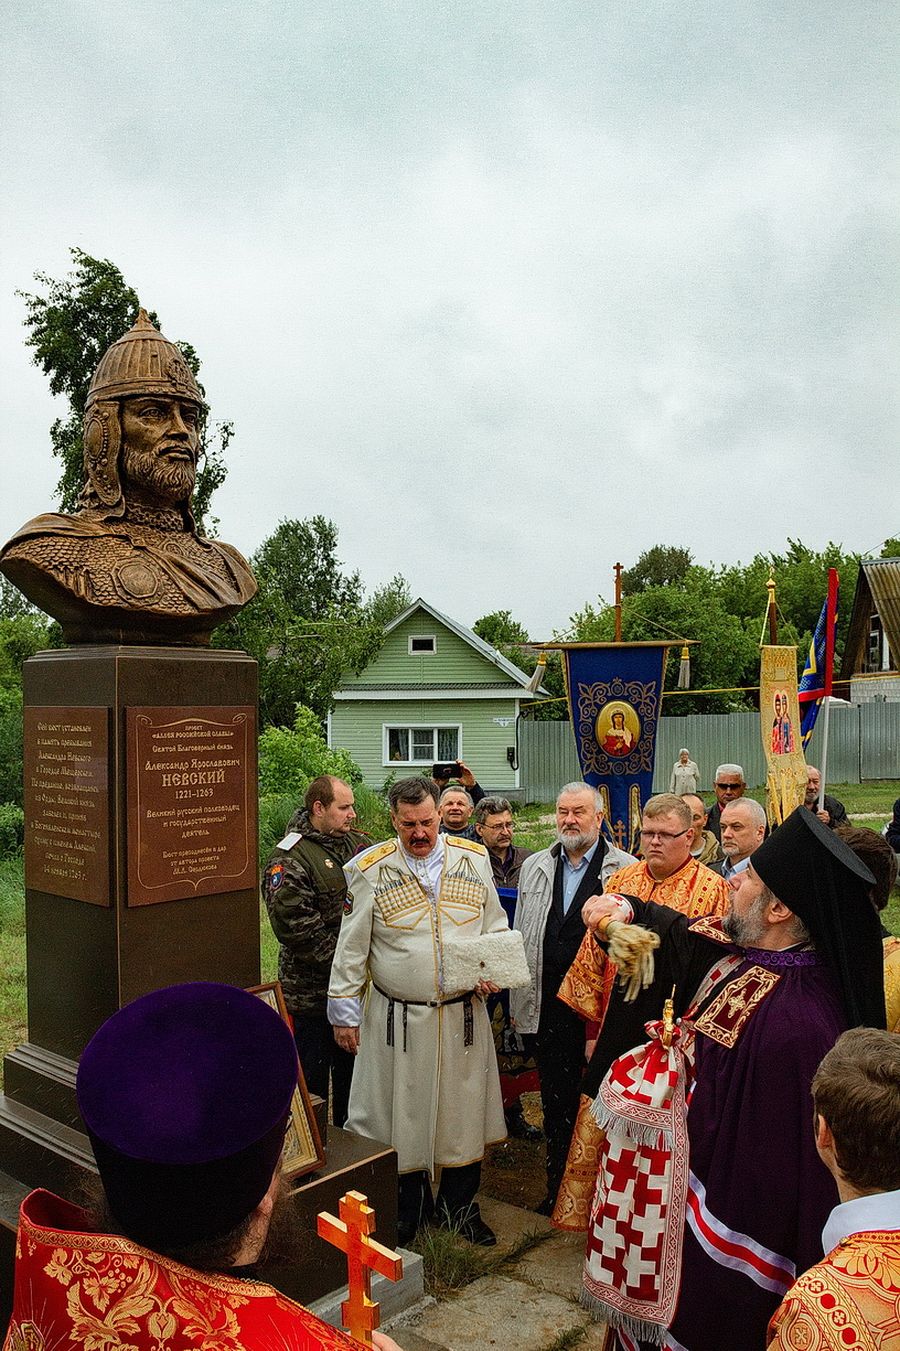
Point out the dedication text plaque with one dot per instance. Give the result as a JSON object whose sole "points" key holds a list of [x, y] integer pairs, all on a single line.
{"points": [[191, 802], [67, 802]]}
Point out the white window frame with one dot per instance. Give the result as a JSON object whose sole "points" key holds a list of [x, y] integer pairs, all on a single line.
{"points": [[421, 652], [434, 727]]}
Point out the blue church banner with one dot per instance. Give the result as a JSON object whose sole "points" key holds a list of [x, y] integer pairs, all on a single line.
{"points": [[614, 694]]}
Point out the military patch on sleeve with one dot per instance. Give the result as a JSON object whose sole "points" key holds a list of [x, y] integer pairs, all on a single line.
{"points": [[274, 876], [348, 903]]}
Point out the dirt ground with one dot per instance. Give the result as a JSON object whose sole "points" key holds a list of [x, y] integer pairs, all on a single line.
{"points": [[515, 1171]]}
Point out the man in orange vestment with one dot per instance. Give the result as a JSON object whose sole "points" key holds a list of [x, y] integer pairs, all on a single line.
{"points": [[185, 1095], [668, 875], [852, 1297]]}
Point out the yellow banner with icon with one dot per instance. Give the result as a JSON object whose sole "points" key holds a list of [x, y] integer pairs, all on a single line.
{"points": [[779, 725]]}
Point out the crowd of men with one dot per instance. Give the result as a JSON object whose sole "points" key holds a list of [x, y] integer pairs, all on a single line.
{"points": [[769, 946]]}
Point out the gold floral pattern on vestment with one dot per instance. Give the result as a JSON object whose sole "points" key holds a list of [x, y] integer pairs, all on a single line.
{"points": [[847, 1302], [892, 983], [694, 889], [710, 926], [25, 1337]]}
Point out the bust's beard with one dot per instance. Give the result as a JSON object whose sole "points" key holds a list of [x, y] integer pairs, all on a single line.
{"points": [[172, 482]]}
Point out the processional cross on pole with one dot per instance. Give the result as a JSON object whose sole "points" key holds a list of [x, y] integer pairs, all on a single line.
{"points": [[350, 1233]]}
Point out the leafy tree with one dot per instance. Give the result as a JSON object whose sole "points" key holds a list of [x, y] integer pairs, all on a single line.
{"points": [[801, 578], [499, 628], [12, 829], [310, 621], [663, 565], [290, 758], [387, 602], [24, 630], [11, 757], [891, 548], [71, 324], [506, 634], [552, 706]]}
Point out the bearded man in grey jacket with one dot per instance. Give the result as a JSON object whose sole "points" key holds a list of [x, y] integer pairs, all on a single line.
{"points": [[553, 886]]}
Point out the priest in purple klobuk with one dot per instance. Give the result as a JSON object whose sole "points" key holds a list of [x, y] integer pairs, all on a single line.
{"points": [[742, 1195]]}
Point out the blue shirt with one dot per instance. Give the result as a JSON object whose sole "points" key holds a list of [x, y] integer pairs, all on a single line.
{"points": [[728, 872], [573, 876]]}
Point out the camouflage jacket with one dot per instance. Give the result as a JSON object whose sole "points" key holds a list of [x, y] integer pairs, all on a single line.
{"points": [[304, 890]]}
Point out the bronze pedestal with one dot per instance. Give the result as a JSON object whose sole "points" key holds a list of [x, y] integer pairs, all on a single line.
{"points": [[141, 796]]}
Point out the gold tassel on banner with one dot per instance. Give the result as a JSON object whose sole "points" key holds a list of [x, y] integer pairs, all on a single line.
{"points": [[537, 677], [684, 669]]}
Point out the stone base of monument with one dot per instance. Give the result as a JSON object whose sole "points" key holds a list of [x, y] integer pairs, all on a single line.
{"points": [[60, 1159], [141, 871]]}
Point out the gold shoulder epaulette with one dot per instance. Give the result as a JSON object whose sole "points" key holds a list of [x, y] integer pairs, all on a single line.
{"points": [[474, 845], [374, 855], [710, 926]]}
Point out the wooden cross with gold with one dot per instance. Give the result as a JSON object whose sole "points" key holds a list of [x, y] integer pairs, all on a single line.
{"points": [[359, 1312]]}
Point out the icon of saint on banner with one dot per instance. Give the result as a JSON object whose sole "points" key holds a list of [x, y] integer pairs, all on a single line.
{"points": [[618, 728]]}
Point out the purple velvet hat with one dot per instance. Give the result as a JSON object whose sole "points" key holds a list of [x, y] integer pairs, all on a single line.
{"points": [[185, 1095]]}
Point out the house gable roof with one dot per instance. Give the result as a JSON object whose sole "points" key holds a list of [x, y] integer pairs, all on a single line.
{"points": [[507, 672], [877, 588]]}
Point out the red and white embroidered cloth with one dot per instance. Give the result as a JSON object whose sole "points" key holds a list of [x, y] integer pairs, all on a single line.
{"points": [[632, 1266]]}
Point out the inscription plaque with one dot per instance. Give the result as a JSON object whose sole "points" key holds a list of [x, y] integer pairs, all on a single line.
{"points": [[66, 753], [191, 802]]}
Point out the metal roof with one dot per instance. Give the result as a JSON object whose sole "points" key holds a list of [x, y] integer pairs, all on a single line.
{"points": [[446, 685]]}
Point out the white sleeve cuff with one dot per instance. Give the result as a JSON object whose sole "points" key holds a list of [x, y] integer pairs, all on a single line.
{"points": [[624, 905], [344, 1012]]}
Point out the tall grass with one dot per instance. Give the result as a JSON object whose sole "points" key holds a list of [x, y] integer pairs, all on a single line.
{"points": [[12, 954]]}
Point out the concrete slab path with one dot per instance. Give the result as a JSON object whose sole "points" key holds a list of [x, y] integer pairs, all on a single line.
{"points": [[530, 1305]]}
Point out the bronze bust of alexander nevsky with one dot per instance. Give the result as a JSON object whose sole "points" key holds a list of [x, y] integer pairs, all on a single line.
{"points": [[129, 566]]}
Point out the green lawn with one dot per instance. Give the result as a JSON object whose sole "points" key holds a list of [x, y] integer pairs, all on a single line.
{"points": [[868, 803]]}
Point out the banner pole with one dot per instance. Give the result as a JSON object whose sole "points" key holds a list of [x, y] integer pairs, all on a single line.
{"points": [[830, 624], [826, 700]]}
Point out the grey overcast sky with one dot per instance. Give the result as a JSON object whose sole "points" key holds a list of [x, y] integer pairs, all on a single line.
{"points": [[508, 290]]}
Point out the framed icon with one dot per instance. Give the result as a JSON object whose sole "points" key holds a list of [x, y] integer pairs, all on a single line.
{"points": [[303, 1150]]}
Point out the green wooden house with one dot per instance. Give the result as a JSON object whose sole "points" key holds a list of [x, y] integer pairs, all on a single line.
{"points": [[435, 692]]}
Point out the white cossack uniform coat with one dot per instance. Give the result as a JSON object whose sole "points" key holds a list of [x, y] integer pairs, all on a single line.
{"points": [[436, 1100]]}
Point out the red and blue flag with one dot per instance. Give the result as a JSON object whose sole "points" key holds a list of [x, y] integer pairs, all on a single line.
{"points": [[818, 674]]}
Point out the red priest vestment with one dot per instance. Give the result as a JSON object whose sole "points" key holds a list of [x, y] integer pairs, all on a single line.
{"points": [[76, 1289]]}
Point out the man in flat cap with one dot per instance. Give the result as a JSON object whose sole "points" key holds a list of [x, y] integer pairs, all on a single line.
{"points": [[705, 1216], [129, 565], [185, 1095]]}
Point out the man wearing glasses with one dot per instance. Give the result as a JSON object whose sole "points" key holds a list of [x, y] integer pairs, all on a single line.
{"points": [[667, 873], [729, 785]]}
